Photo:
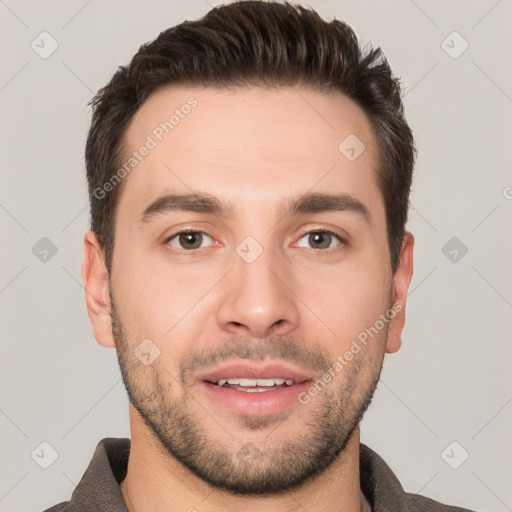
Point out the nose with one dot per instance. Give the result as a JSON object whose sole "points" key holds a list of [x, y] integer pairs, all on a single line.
{"points": [[257, 298]]}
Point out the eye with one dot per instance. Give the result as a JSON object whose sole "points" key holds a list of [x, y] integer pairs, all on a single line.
{"points": [[321, 239], [188, 240]]}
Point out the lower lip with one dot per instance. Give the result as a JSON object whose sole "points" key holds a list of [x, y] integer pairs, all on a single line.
{"points": [[256, 404]]}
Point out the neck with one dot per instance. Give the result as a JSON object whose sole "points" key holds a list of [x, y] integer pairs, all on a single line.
{"points": [[157, 481]]}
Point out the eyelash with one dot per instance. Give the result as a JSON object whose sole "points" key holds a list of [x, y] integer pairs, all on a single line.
{"points": [[192, 252]]}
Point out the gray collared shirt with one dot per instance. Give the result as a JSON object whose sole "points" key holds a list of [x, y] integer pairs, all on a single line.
{"points": [[99, 490]]}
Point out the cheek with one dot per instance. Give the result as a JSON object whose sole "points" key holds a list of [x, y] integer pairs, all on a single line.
{"points": [[153, 297], [347, 297], [162, 300]]}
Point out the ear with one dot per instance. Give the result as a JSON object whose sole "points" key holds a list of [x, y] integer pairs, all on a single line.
{"points": [[95, 278], [401, 282]]}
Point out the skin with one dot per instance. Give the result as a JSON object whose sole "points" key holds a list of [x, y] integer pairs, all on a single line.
{"points": [[295, 303]]}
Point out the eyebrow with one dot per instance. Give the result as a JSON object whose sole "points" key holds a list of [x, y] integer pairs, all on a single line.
{"points": [[200, 202]]}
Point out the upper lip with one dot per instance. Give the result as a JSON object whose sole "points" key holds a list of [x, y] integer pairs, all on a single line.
{"points": [[250, 370]]}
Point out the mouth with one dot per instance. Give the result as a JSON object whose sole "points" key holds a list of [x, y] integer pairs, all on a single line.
{"points": [[252, 390], [254, 385]]}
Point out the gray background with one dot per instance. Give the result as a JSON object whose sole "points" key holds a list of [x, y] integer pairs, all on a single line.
{"points": [[451, 379]]}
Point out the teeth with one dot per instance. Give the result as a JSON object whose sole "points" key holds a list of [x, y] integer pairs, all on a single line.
{"points": [[255, 390], [256, 382], [243, 382]]}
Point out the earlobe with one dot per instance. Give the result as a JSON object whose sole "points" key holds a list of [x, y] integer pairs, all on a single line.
{"points": [[401, 281], [96, 285]]}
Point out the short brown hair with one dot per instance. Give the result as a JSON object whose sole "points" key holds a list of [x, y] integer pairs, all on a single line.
{"points": [[254, 43]]}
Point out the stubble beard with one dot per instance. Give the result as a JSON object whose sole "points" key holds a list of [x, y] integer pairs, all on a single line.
{"points": [[252, 468]]}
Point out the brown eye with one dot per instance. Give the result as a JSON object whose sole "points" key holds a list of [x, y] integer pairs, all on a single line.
{"points": [[188, 240], [321, 239]]}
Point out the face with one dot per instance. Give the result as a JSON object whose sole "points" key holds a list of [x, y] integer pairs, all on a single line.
{"points": [[238, 277]]}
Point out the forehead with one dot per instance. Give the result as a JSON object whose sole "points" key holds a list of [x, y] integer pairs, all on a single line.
{"points": [[248, 145]]}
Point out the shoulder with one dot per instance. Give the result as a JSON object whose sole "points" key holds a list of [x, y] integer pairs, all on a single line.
{"points": [[385, 493], [65, 506], [418, 503], [98, 488]]}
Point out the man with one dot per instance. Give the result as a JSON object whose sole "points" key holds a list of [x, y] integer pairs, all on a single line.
{"points": [[249, 178]]}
